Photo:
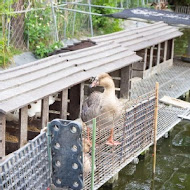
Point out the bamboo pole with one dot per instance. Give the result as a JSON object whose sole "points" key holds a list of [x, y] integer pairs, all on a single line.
{"points": [[93, 152], [155, 126]]}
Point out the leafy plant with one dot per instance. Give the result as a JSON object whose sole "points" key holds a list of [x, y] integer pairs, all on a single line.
{"points": [[39, 32], [42, 50], [105, 25], [6, 52]]}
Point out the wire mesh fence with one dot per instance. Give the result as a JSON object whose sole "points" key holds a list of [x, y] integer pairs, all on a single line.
{"points": [[39, 23], [28, 168], [132, 132]]}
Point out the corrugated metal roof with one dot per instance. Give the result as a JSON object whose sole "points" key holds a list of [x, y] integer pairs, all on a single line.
{"points": [[140, 38], [22, 85]]}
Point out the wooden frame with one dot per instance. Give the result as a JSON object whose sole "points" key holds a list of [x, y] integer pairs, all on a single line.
{"points": [[23, 123], [2, 134], [64, 104], [45, 112]]}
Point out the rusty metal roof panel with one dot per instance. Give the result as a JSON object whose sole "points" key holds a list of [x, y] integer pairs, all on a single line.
{"points": [[25, 84], [140, 38]]}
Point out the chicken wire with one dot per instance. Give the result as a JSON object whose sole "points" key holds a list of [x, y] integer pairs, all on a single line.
{"points": [[28, 168], [134, 131]]}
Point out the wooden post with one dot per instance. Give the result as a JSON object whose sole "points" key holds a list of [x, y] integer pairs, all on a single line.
{"points": [[81, 96], [165, 50], [145, 60], [158, 54], [172, 49], [64, 104], [23, 123], [45, 112], [125, 84], [155, 126], [151, 57], [2, 134]]}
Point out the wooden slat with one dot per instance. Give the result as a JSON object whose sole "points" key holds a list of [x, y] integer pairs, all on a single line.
{"points": [[172, 53], [145, 60], [64, 83], [154, 41], [158, 54], [125, 33], [64, 104], [23, 122], [2, 134], [125, 82], [153, 36], [151, 57], [165, 50], [45, 112], [59, 74], [81, 96]]}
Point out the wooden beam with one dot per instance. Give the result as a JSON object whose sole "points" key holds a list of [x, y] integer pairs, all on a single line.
{"points": [[125, 85], [45, 112], [64, 104], [145, 60], [81, 96], [165, 50], [23, 123], [151, 57], [172, 49], [158, 54], [2, 134]]}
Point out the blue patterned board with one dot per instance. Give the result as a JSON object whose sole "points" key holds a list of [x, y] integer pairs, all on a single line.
{"points": [[66, 149], [27, 168]]}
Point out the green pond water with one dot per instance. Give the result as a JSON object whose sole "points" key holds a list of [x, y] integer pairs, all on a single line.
{"points": [[173, 156], [172, 167]]}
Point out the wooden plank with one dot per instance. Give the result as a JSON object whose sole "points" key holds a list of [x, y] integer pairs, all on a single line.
{"points": [[64, 104], [152, 41], [128, 35], [158, 54], [165, 50], [165, 31], [65, 82], [58, 74], [151, 57], [2, 134], [23, 123], [145, 60], [125, 82], [173, 45], [175, 102], [81, 96], [45, 112]]}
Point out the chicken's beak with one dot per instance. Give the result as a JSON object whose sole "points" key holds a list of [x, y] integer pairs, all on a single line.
{"points": [[94, 83]]}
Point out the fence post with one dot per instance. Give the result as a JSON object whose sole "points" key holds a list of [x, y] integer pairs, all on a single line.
{"points": [[91, 25], [55, 23], [93, 152], [155, 126]]}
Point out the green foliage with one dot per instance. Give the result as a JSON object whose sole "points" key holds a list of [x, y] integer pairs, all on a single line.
{"points": [[43, 50], [38, 31], [6, 53], [105, 25]]}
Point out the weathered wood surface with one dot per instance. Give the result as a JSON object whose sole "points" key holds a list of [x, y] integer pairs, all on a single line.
{"points": [[2, 135], [45, 112], [125, 82], [140, 38], [25, 84], [64, 104], [23, 129], [175, 102]]}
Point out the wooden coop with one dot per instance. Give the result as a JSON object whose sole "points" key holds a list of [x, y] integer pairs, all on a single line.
{"points": [[54, 87], [154, 43]]}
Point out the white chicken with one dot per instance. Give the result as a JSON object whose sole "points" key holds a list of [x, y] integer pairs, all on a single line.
{"points": [[34, 109]]}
